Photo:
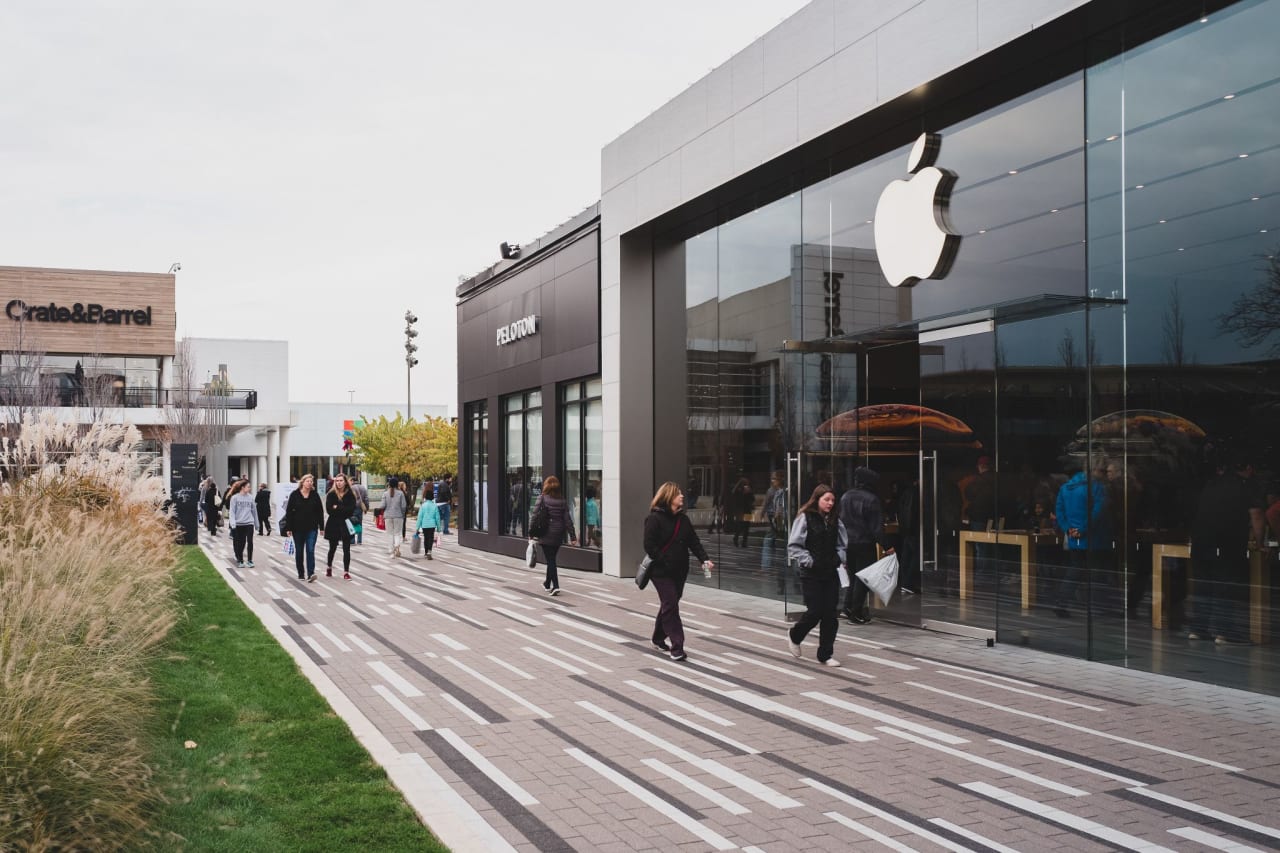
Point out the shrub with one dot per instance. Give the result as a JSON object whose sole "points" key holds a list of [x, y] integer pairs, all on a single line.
{"points": [[86, 596]]}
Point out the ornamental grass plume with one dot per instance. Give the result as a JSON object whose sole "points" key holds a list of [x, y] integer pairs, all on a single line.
{"points": [[86, 597]]}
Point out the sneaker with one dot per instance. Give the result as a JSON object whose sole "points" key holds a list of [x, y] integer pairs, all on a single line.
{"points": [[240, 565], [1194, 636], [249, 563], [678, 656], [546, 586], [555, 590], [831, 662], [302, 577], [858, 619], [429, 557], [346, 576], [662, 647], [328, 572], [794, 647], [311, 578]]}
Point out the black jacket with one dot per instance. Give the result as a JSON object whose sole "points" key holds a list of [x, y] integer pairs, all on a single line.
{"points": [[559, 520], [340, 509], [303, 515], [263, 499], [659, 529]]}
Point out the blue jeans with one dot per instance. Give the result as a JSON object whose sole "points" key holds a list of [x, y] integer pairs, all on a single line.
{"points": [[444, 518], [304, 545]]}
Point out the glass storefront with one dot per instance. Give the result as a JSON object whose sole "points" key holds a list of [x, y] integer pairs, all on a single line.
{"points": [[582, 449], [83, 380], [476, 450], [1102, 350], [522, 459]]}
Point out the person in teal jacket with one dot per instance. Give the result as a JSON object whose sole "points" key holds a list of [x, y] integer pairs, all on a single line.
{"points": [[428, 523], [1081, 517]]}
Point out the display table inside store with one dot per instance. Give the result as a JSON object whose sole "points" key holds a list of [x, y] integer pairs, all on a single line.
{"points": [[1259, 587], [1027, 541]]}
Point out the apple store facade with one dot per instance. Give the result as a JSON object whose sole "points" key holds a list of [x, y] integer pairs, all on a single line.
{"points": [[1018, 259]]}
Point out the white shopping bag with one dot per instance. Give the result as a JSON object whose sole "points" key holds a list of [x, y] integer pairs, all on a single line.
{"points": [[531, 555], [881, 577], [287, 546], [843, 574]]}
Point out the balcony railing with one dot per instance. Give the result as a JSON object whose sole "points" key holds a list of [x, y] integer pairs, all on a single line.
{"points": [[140, 397]]}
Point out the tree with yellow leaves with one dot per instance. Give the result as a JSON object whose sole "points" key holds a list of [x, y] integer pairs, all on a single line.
{"points": [[417, 449]]}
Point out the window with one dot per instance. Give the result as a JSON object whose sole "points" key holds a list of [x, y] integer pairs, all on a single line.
{"points": [[583, 455], [521, 459], [476, 498]]}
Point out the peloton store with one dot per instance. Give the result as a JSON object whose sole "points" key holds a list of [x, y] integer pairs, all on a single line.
{"points": [[920, 234]]}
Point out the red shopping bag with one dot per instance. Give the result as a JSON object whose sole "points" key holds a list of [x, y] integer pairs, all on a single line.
{"points": [[381, 522]]}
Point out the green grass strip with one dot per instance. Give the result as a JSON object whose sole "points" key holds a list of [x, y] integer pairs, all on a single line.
{"points": [[274, 767]]}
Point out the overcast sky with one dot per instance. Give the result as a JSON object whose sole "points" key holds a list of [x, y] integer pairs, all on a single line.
{"points": [[318, 167]]}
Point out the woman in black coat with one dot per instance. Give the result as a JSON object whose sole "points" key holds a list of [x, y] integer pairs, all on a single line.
{"points": [[559, 524], [340, 504], [212, 506], [668, 538]]}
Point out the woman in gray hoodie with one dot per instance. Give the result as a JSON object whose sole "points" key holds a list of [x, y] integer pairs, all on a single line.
{"points": [[243, 518]]}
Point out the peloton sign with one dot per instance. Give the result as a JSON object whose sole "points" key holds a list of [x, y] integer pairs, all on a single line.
{"points": [[522, 328]]}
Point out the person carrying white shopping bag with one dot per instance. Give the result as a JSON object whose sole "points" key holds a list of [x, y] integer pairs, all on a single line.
{"points": [[863, 519]]}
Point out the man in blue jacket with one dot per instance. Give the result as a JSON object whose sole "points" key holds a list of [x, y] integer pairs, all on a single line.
{"points": [[1080, 511]]}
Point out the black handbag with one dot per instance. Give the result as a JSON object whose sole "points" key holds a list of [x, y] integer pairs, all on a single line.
{"points": [[646, 565], [539, 521]]}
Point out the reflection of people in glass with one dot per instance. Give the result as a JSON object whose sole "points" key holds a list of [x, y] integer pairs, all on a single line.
{"points": [[864, 522], [1228, 513], [738, 510], [1081, 511], [592, 520], [775, 534], [516, 506]]}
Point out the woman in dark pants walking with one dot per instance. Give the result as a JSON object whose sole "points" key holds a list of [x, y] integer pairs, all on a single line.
{"points": [[559, 524], [817, 546], [668, 538], [340, 505]]}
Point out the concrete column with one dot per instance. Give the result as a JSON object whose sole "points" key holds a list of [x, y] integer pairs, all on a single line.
{"points": [[284, 454], [273, 459]]}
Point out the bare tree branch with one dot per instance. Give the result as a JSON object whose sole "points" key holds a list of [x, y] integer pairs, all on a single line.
{"points": [[1255, 316]]}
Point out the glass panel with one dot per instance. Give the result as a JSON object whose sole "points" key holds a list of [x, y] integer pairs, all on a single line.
{"points": [[478, 468], [571, 391], [594, 473], [1184, 203], [571, 442], [594, 387], [533, 451], [515, 494]]}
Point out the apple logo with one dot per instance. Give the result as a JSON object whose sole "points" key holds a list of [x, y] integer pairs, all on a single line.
{"points": [[913, 236]]}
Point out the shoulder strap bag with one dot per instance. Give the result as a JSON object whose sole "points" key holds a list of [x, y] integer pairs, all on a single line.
{"points": [[642, 573]]}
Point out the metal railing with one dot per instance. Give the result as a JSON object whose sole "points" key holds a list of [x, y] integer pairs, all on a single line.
{"points": [[124, 397]]}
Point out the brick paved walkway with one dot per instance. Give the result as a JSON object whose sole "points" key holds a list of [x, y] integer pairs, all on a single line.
{"points": [[512, 720]]}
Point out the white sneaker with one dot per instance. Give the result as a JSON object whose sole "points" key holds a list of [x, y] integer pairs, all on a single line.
{"points": [[831, 662], [249, 564], [240, 565], [794, 647]]}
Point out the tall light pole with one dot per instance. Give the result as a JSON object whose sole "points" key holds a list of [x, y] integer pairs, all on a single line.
{"points": [[409, 349]]}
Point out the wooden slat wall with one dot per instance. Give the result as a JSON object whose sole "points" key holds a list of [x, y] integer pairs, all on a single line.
{"points": [[116, 290]]}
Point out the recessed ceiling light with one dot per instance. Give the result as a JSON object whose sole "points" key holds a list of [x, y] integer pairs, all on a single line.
{"points": [[1182, 250], [1255, 198], [1139, 186], [1013, 171], [1227, 97], [868, 222], [1055, 210], [1242, 156], [1112, 138], [1204, 20], [1163, 221], [982, 231], [1263, 231]]}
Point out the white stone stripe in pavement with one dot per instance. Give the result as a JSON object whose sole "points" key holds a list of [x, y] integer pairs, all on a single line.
{"points": [[726, 774], [453, 700], [333, 638], [605, 635], [679, 703], [511, 668], [781, 632], [1010, 688], [971, 835], [355, 614], [446, 640], [791, 672], [584, 642], [987, 763], [510, 694], [892, 664], [376, 609], [945, 843], [277, 586], [709, 794], [1077, 728], [1208, 812], [779, 709], [293, 606], [882, 717], [736, 744], [361, 645], [371, 594], [400, 608], [396, 680], [418, 595], [487, 767], [1046, 756], [787, 653], [603, 622], [527, 620], [403, 709], [868, 832], [604, 596], [704, 655], [1215, 842], [559, 652], [449, 809], [1058, 816], [319, 649], [717, 841], [703, 626], [567, 667]]}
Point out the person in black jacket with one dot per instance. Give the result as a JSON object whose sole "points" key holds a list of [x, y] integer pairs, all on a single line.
{"points": [[559, 525], [864, 525], [303, 518], [668, 538], [817, 546], [340, 504], [263, 500]]}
